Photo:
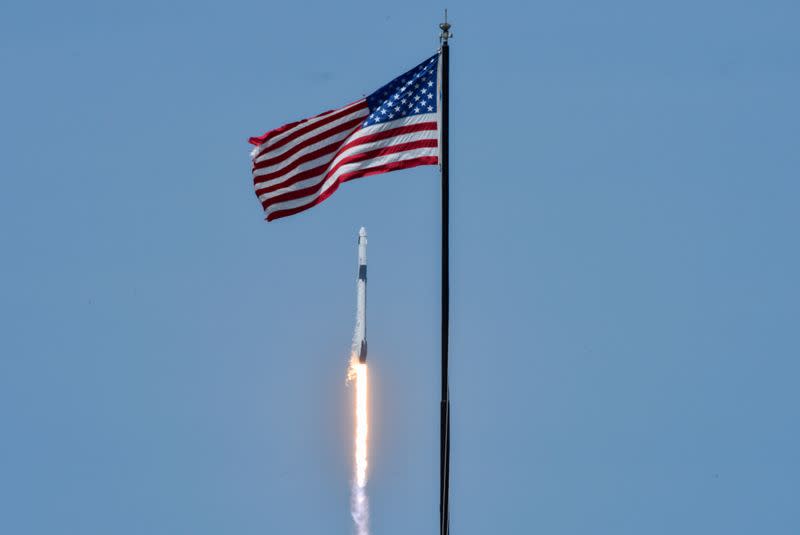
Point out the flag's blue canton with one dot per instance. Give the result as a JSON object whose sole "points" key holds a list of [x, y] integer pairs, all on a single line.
{"points": [[409, 94]]}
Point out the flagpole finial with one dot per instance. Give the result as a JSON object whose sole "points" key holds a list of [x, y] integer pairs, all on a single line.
{"points": [[445, 27]]}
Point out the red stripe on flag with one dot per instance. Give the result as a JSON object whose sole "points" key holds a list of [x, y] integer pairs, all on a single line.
{"points": [[355, 158], [386, 134], [332, 116], [394, 166], [305, 158], [349, 125], [380, 135], [310, 173]]}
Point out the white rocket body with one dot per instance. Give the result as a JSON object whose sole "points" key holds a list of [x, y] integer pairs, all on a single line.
{"points": [[360, 339]]}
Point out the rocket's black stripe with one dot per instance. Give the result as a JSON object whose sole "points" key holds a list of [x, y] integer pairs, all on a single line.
{"points": [[362, 273]]}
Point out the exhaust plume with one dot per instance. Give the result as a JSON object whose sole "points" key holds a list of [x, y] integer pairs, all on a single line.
{"points": [[359, 504]]}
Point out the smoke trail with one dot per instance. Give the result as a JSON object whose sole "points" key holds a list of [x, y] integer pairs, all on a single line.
{"points": [[360, 510], [359, 504]]}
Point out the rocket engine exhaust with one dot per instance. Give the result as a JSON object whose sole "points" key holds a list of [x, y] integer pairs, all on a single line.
{"points": [[359, 507]]}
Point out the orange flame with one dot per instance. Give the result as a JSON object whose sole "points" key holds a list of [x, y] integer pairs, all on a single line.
{"points": [[362, 424]]}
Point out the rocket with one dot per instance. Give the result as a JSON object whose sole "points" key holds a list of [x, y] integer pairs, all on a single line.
{"points": [[360, 339]]}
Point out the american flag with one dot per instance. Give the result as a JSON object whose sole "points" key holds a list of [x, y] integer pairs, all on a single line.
{"points": [[299, 165]]}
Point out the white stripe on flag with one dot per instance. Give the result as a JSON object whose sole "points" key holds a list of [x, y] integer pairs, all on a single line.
{"points": [[322, 160], [367, 164], [307, 122], [380, 127], [357, 149], [360, 113]]}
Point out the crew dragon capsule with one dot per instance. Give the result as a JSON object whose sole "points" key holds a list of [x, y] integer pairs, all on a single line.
{"points": [[360, 342]]}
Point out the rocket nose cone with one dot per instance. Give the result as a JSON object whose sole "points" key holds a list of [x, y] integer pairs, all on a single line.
{"points": [[362, 233]]}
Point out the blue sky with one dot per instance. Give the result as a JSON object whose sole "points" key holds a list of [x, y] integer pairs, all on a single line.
{"points": [[624, 271]]}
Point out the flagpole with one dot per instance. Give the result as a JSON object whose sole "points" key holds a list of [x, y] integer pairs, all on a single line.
{"points": [[444, 428]]}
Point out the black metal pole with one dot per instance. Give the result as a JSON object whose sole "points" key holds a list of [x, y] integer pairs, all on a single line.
{"points": [[444, 430]]}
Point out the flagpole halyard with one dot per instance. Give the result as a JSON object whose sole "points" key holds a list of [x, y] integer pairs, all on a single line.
{"points": [[444, 430]]}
